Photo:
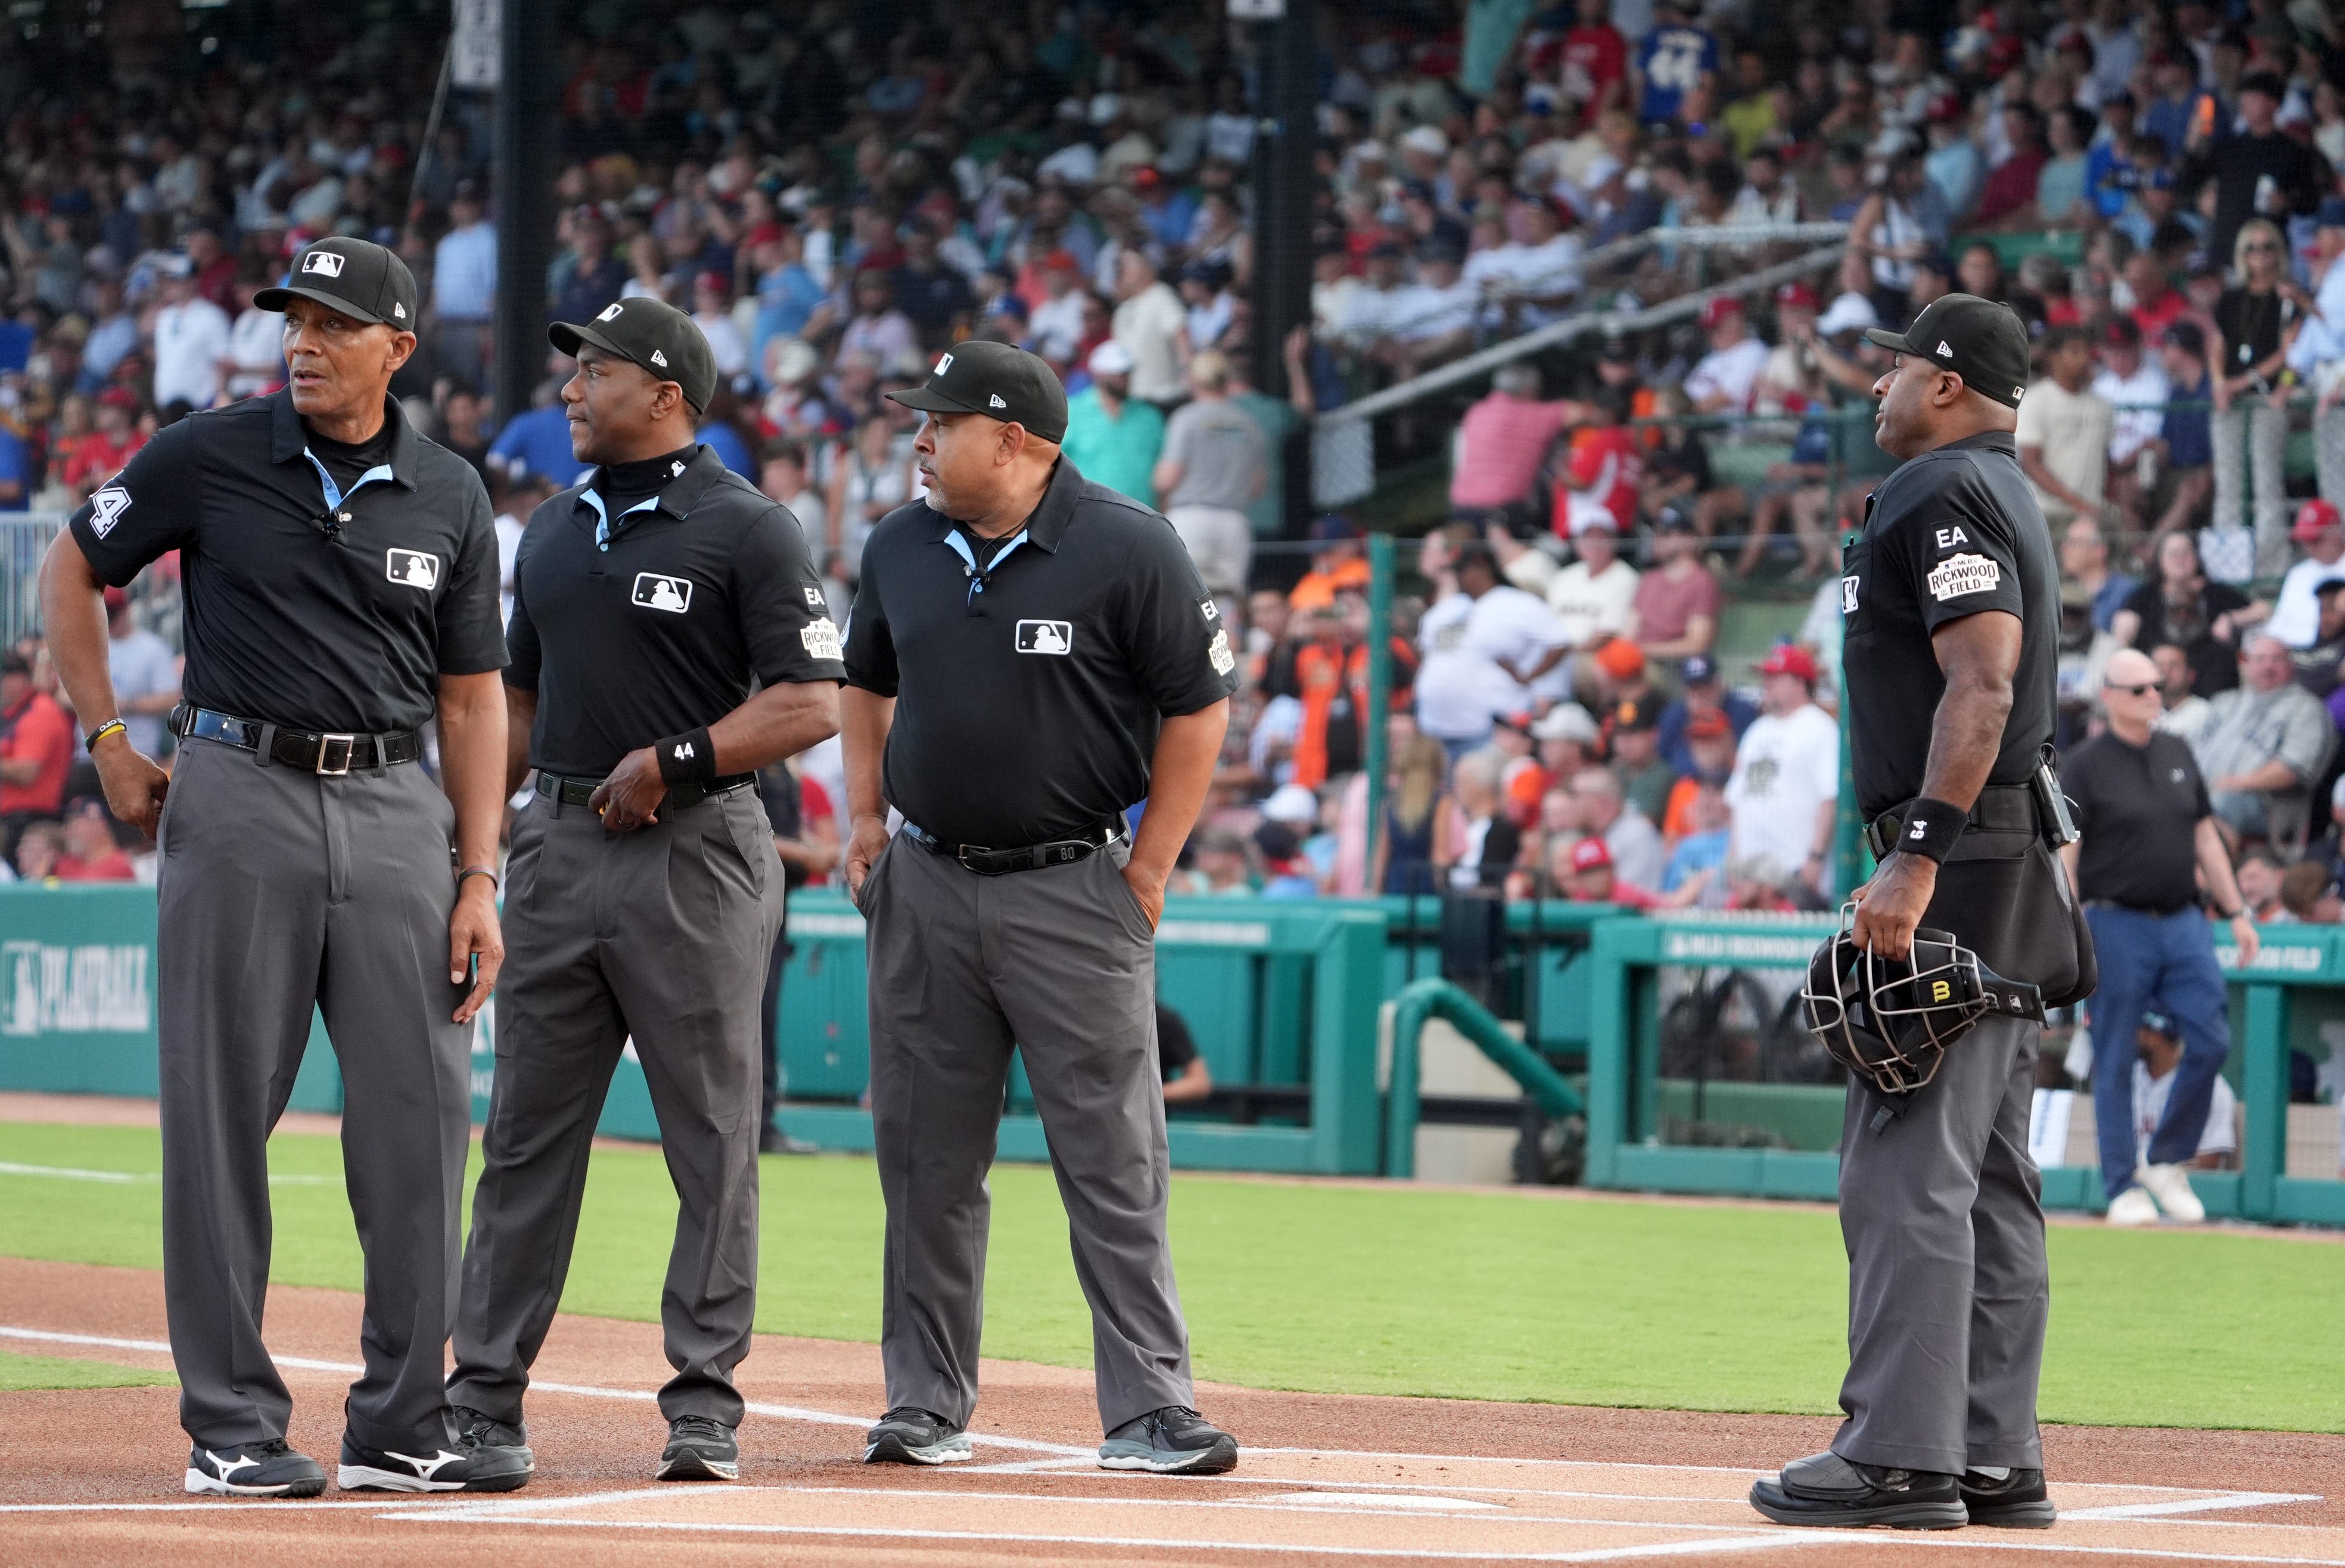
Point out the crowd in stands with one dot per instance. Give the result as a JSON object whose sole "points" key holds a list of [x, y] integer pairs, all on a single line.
{"points": [[839, 198]]}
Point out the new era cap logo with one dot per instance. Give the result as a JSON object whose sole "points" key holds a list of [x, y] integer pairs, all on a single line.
{"points": [[659, 358], [993, 400], [411, 568], [327, 262], [653, 592], [1946, 348], [610, 313], [399, 310]]}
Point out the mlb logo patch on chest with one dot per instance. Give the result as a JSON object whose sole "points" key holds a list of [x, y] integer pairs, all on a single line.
{"points": [[1046, 637], [653, 592], [411, 568], [1965, 573]]}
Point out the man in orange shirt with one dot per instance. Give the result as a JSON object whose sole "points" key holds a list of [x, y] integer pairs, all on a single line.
{"points": [[1332, 670], [35, 752], [1709, 736], [1340, 566]]}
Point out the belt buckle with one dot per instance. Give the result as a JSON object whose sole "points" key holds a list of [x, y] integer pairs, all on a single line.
{"points": [[965, 851], [326, 752]]}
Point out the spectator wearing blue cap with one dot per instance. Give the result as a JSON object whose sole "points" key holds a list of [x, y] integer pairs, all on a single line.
{"points": [[1705, 692], [2317, 354]]}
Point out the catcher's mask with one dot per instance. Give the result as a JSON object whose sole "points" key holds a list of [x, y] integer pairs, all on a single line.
{"points": [[1890, 1020]]}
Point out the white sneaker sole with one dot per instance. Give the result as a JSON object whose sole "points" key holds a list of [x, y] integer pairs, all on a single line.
{"points": [[1213, 1460], [697, 1467], [2172, 1194], [205, 1485], [366, 1477], [941, 1454]]}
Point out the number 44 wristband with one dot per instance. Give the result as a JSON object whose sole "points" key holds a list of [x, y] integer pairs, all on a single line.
{"points": [[1931, 829], [690, 758]]}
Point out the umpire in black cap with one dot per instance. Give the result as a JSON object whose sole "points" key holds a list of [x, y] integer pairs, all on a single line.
{"points": [[341, 593], [668, 639], [1030, 656], [1951, 603]]}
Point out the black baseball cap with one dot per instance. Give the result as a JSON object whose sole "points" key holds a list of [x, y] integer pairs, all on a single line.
{"points": [[356, 276], [1982, 342], [663, 340], [1000, 381]]}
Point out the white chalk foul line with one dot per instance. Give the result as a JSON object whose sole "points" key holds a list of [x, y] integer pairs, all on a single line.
{"points": [[2194, 1505], [1598, 1554], [120, 1177]]}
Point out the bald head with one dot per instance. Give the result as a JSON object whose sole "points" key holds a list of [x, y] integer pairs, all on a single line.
{"points": [[2130, 667], [2130, 696]]}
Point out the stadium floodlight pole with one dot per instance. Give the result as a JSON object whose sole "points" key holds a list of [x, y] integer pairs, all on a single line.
{"points": [[1372, 749], [1285, 184], [528, 121]]}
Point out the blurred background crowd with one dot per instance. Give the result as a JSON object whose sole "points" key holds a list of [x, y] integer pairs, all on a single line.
{"points": [[1617, 626]]}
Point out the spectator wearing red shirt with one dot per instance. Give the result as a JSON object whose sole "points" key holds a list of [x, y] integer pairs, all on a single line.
{"points": [[1614, 458], [101, 454], [2011, 185], [1502, 443], [35, 752], [91, 855], [1595, 60], [1677, 605]]}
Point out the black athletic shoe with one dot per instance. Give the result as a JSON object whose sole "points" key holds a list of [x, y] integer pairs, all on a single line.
{"points": [[774, 1140], [1175, 1438], [480, 1430], [254, 1470], [910, 1435], [464, 1468], [1826, 1489], [700, 1448], [2017, 1501]]}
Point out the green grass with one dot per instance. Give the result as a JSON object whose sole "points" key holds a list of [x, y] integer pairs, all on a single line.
{"points": [[1379, 1291], [18, 1373]]}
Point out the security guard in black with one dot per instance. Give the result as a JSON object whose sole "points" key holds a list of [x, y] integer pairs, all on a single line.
{"points": [[2139, 808]]}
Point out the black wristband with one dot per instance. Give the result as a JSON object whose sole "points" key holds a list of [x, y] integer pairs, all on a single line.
{"points": [[687, 758], [1931, 829]]}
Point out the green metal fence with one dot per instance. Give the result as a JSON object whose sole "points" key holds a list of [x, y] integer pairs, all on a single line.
{"points": [[2297, 979]]}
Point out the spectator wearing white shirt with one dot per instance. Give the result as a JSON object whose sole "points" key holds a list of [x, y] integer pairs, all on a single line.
{"points": [[712, 312], [1433, 320], [1484, 644], [1723, 380], [1785, 788], [2296, 613], [191, 338], [2185, 710], [2132, 383], [1538, 275], [2064, 432], [2317, 354], [1594, 598], [1154, 326], [1372, 313], [2154, 1072], [255, 362], [1056, 326], [464, 289]]}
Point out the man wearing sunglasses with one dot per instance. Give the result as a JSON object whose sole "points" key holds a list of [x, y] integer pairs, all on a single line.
{"points": [[2149, 844]]}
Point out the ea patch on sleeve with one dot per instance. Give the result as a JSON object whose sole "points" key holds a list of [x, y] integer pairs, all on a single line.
{"points": [[1960, 574], [1218, 652], [821, 639]]}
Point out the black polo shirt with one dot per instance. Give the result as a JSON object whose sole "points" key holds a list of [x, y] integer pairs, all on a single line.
{"points": [[1029, 701], [2138, 809], [1950, 534], [664, 622], [284, 621]]}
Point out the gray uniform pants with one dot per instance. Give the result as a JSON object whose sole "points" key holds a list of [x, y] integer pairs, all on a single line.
{"points": [[282, 889], [1059, 963], [661, 934], [1948, 1291]]}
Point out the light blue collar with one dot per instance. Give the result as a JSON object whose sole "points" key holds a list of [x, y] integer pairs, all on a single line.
{"points": [[335, 494], [602, 527], [954, 538]]}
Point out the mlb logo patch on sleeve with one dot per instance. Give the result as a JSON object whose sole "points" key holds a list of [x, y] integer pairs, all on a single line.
{"points": [[1046, 637], [412, 567], [653, 592]]}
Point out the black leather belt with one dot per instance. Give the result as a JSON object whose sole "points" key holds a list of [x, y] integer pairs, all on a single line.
{"points": [[2000, 808], [987, 862], [306, 750], [2154, 912], [680, 797]]}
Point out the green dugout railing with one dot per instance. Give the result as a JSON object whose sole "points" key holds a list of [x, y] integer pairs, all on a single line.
{"points": [[2298, 979]]}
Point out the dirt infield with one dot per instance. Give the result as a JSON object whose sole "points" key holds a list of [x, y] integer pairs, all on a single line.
{"points": [[93, 1476]]}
